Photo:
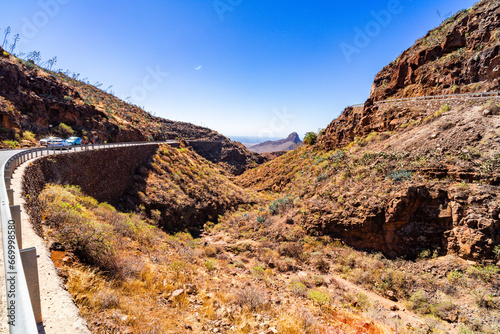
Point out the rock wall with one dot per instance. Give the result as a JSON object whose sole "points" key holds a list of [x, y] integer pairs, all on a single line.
{"points": [[465, 223], [92, 171]]}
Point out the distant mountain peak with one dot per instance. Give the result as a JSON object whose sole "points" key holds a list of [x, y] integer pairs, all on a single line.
{"points": [[290, 143], [294, 137]]}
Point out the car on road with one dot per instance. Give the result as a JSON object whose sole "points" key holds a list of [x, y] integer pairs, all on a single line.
{"points": [[45, 141], [74, 140], [58, 143]]}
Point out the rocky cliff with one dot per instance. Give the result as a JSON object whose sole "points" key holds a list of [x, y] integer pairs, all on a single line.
{"points": [[461, 55], [37, 100]]}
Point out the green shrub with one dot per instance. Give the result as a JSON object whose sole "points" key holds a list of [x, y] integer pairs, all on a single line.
{"points": [[364, 302], [28, 135], [496, 251], [425, 254], [338, 157], [420, 303], [465, 330], [319, 297], [483, 273], [400, 175], [310, 138], [455, 277], [30, 63], [444, 108], [209, 266], [322, 177], [484, 299], [281, 205], [11, 143], [298, 288], [261, 219], [258, 272], [177, 267], [492, 106]]}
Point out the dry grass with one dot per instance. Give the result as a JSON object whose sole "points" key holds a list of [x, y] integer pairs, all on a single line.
{"points": [[160, 283]]}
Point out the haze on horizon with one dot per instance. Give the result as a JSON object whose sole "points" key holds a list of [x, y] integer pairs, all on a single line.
{"points": [[239, 67]]}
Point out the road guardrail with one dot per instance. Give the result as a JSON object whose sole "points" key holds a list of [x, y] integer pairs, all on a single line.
{"points": [[433, 97], [21, 273]]}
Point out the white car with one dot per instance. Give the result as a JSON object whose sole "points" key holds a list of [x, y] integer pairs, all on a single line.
{"points": [[58, 143], [45, 141]]}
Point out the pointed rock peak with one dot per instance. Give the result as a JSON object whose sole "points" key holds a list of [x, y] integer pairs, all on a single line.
{"points": [[293, 137]]}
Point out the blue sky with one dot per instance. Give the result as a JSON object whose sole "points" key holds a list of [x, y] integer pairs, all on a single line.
{"points": [[240, 67]]}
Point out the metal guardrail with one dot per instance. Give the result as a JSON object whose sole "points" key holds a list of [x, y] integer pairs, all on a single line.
{"points": [[22, 313], [358, 105], [434, 97]]}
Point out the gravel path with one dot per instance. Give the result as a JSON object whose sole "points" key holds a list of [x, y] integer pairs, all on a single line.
{"points": [[59, 312]]}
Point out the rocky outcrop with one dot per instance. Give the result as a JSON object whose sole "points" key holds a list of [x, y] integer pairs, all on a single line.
{"points": [[384, 119], [461, 55], [416, 219]]}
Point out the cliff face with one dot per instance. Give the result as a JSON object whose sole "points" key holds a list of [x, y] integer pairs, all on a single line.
{"points": [[37, 100], [461, 55]]}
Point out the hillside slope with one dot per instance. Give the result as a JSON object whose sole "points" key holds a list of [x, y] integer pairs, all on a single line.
{"points": [[37, 100], [400, 193], [175, 187], [407, 181]]}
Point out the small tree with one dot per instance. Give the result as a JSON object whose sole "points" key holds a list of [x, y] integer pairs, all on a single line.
{"points": [[13, 46], [7, 32], [310, 138]]}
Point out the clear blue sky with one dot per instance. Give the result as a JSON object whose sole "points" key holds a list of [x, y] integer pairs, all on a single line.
{"points": [[240, 67]]}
